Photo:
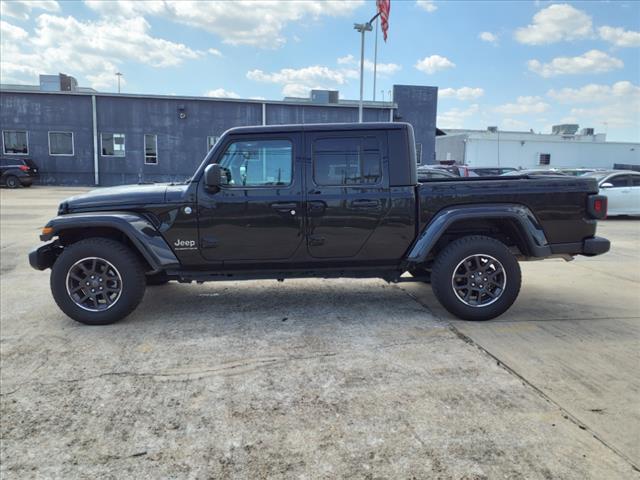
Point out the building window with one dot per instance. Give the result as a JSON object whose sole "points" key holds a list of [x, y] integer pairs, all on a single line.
{"points": [[346, 161], [545, 159], [15, 142], [150, 149], [211, 141], [112, 144], [258, 163], [61, 143]]}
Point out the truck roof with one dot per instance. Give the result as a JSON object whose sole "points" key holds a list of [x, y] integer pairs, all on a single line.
{"points": [[320, 127]]}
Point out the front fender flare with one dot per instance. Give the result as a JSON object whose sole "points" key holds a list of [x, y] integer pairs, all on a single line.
{"points": [[522, 215], [140, 231]]}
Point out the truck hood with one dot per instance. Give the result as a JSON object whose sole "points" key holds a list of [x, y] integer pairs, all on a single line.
{"points": [[116, 197]]}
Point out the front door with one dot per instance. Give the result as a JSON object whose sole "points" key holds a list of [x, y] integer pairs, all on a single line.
{"points": [[257, 214], [347, 192]]}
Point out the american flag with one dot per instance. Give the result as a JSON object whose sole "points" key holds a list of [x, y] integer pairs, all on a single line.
{"points": [[384, 6]]}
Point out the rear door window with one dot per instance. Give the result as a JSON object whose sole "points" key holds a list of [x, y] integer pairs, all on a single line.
{"points": [[347, 161]]}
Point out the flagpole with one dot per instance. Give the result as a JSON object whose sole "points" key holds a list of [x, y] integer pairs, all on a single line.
{"points": [[375, 62], [363, 28]]}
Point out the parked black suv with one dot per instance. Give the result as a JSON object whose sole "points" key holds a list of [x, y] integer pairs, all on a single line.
{"points": [[335, 200], [16, 172]]}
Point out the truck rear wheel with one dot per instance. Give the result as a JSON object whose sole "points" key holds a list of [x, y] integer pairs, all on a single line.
{"points": [[476, 278], [97, 281]]}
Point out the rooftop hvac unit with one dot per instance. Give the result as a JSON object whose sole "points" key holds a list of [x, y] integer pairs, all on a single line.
{"points": [[325, 96], [565, 129]]}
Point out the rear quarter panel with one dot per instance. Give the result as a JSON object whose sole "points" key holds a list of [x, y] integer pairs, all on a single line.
{"points": [[559, 204]]}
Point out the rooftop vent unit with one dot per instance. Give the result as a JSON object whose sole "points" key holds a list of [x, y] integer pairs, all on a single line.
{"points": [[492, 129], [58, 83], [565, 129], [587, 132], [325, 96]]}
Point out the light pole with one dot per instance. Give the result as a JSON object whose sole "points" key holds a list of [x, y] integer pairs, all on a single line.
{"points": [[118, 74], [362, 28]]}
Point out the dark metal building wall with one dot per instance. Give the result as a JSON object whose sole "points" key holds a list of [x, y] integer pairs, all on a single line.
{"points": [[38, 114], [418, 106], [182, 142]]}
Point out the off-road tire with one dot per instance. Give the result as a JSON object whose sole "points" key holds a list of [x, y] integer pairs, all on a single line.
{"points": [[449, 259], [12, 182], [157, 279], [126, 262]]}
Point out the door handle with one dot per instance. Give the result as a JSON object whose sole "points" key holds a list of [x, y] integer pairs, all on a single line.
{"points": [[316, 206], [285, 207], [365, 203]]}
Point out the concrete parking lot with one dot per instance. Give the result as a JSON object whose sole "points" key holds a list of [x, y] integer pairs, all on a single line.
{"points": [[321, 379]]}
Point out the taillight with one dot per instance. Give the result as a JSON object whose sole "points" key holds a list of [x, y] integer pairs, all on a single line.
{"points": [[24, 168], [597, 206]]}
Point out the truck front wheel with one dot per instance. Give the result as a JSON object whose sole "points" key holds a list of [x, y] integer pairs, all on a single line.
{"points": [[476, 278], [97, 281]]}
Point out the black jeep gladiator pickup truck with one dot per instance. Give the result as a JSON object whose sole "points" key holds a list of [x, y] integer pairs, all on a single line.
{"points": [[334, 200]]}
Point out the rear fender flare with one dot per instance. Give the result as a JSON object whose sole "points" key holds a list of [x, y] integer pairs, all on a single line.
{"points": [[522, 215], [140, 232]]}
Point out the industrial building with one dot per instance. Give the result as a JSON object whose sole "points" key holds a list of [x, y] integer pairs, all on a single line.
{"points": [[564, 147], [78, 136]]}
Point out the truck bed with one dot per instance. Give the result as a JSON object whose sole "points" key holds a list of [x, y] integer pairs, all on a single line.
{"points": [[559, 203]]}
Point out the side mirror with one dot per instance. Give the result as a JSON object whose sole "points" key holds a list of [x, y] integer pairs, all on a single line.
{"points": [[213, 176], [606, 185]]}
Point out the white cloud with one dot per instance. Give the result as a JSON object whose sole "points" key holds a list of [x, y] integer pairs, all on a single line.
{"points": [[92, 49], [617, 114], [433, 64], [221, 93], [10, 32], [22, 9], [555, 23], [215, 52], [296, 90], [593, 61], [298, 82], [463, 93], [427, 5], [594, 93], [312, 74], [523, 105], [488, 37], [619, 36], [513, 124], [455, 117], [618, 104], [382, 69], [258, 23]]}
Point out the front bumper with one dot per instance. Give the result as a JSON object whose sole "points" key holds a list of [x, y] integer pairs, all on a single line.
{"points": [[43, 257], [589, 246]]}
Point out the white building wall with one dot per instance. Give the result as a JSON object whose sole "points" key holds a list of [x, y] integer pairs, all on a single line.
{"points": [[564, 153]]}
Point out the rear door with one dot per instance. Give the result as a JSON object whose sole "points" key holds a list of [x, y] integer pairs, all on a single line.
{"points": [[347, 190]]}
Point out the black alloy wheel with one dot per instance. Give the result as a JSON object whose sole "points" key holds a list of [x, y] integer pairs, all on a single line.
{"points": [[476, 278], [98, 281]]}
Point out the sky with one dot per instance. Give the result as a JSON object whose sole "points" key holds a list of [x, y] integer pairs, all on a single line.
{"points": [[516, 65]]}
